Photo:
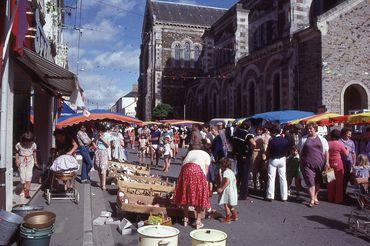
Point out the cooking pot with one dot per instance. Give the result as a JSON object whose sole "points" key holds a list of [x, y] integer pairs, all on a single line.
{"points": [[157, 235], [208, 237], [39, 220]]}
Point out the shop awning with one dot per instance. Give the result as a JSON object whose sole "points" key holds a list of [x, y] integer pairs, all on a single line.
{"points": [[55, 78]]}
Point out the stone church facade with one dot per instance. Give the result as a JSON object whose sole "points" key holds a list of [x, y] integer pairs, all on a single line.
{"points": [[265, 55], [170, 50]]}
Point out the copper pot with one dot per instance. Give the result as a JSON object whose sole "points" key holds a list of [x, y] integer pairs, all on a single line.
{"points": [[39, 220]]}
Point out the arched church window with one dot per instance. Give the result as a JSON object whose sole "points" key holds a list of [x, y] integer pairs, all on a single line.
{"points": [[177, 54], [187, 54]]}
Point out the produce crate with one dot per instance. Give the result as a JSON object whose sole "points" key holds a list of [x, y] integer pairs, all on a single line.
{"points": [[130, 166], [136, 169], [144, 189], [148, 206]]}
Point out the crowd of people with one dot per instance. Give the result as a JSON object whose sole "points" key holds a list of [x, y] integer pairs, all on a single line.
{"points": [[223, 159]]}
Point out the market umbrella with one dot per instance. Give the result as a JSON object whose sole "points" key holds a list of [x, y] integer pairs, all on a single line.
{"points": [[151, 123], [363, 118], [353, 119], [239, 121], [95, 115], [282, 116], [181, 122], [322, 119]]}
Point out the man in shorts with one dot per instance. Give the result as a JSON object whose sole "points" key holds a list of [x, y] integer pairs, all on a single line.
{"points": [[155, 135]]}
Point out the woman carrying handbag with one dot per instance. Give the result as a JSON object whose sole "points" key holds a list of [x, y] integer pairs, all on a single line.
{"points": [[336, 151], [314, 159]]}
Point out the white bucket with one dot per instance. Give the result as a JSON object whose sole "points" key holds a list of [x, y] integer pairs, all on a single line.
{"points": [[208, 237], [154, 235]]}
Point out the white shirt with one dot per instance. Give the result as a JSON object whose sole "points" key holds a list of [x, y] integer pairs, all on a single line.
{"points": [[198, 157]]}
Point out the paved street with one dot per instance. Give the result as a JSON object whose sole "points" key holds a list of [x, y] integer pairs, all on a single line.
{"points": [[261, 222]]}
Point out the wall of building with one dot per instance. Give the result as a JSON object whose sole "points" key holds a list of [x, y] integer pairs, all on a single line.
{"points": [[345, 53], [308, 70]]}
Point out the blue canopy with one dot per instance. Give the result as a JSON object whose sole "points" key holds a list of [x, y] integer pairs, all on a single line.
{"points": [[282, 117], [66, 110]]}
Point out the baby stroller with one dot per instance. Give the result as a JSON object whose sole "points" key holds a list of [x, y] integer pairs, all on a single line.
{"points": [[359, 219], [65, 174]]}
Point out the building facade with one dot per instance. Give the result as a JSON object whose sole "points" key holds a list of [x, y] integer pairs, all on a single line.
{"points": [[299, 55], [171, 46], [265, 55], [32, 86], [127, 104]]}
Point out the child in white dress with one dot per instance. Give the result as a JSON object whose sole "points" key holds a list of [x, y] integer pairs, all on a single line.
{"points": [[25, 159], [228, 193], [167, 155], [143, 144]]}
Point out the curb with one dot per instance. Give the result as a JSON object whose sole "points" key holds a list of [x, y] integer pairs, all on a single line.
{"points": [[87, 220]]}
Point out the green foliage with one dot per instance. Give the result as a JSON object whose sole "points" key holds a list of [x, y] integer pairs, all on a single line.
{"points": [[162, 111]]}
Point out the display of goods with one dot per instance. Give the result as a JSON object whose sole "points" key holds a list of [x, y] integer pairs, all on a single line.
{"points": [[155, 219]]}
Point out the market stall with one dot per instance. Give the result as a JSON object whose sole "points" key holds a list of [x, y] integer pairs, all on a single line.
{"points": [[320, 119], [354, 119], [282, 117], [95, 115]]}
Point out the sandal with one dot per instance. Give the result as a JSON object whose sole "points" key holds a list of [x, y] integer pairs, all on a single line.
{"points": [[199, 225], [311, 204], [316, 202]]}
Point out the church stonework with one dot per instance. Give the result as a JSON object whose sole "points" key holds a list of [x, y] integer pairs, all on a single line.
{"points": [[257, 56]]}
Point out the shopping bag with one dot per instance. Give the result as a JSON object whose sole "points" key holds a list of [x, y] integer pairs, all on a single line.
{"points": [[328, 175]]}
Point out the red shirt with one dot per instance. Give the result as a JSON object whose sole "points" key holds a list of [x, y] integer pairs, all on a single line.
{"points": [[176, 138], [336, 149]]}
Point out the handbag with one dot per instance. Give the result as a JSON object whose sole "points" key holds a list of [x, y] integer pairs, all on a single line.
{"points": [[328, 175]]}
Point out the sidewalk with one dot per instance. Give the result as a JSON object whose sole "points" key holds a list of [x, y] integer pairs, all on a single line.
{"points": [[69, 223], [18, 196]]}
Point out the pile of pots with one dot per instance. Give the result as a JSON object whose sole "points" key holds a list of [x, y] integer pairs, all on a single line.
{"points": [[35, 226]]}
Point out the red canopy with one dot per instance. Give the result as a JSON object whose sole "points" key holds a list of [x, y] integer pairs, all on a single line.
{"points": [[81, 118]]}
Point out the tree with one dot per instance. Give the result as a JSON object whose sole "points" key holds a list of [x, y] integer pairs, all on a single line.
{"points": [[162, 111]]}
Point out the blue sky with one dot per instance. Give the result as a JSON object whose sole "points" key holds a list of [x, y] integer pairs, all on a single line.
{"points": [[110, 46]]}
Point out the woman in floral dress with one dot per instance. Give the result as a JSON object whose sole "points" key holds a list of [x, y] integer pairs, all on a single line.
{"points": [[101, 154], [192, 186]]}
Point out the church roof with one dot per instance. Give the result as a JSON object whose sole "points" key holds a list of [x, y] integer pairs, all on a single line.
{"points": [[182, 13]]}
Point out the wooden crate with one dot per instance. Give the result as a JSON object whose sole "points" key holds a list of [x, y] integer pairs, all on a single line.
{"points": [[165, 208], [136, 172], [125, 186], [129, 165]]}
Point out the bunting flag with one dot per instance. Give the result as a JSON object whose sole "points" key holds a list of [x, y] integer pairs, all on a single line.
{"points": [[19, 25]]}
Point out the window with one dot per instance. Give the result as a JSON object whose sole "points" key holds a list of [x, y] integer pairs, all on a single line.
{"points": [[251, 99], [187, 54], [238, 101], [276, 92], [177, 54], [196, 54]]}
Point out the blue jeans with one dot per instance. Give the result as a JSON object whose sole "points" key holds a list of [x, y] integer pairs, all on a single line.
{"points": [[86, 162]]}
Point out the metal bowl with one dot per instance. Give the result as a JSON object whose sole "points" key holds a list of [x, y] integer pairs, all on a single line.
{"points": [[23, 209], [39, 220]]}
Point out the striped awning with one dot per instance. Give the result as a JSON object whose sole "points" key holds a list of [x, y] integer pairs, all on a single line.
{"points": [[53, 77]]}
